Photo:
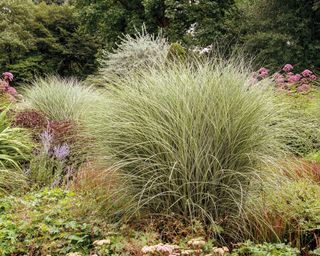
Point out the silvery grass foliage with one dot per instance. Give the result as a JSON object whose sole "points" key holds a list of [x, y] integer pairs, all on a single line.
{"points": [[188, 139], [59, 98], [131, 54]]}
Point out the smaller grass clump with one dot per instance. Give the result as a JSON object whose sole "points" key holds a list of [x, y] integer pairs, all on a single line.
{"points": [[132, 53], [60, 99], [189, 139]]}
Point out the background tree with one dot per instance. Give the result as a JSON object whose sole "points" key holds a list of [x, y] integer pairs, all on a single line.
{"points": [[38, 39], [110, 18], [16, 18], [279, 32]]}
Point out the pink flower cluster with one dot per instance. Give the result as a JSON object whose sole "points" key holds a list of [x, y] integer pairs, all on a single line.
{"points": [[5, 87], [7, 76], [162, 249], [287, 80]]}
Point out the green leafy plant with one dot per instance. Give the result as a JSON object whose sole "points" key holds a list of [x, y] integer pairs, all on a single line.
{"points": [[285, 208], [189, 139], [265, 249], [42, 223], [15, 149]]}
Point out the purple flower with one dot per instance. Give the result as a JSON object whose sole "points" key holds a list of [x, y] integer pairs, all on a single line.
{"points": [[303, 88], [313, 77], [61, 152], [46, 139], [11, 90], [294, 78], [307, 73], [7, 76], [287, 67], [263, 72]]}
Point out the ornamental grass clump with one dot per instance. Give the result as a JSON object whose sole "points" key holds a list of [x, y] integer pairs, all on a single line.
{"points": [[60, 99], [189, 139], [132, 53]]}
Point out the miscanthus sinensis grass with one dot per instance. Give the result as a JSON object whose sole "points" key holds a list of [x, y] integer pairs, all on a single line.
{"points": [[59, 98], [188, 139]]}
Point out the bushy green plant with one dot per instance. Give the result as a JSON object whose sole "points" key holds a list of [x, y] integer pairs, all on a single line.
{"points": [[303, 111], [60, 99], [285, 208], [189, 139], [265, 249], [15, 149], [132, 53]]}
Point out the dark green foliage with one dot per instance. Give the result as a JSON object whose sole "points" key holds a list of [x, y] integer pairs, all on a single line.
{"points": [[280, 32], [176, 51], [37, 39], [110, 18]]}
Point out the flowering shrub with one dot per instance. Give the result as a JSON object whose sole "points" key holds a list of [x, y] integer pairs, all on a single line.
{"points": [[5, 87], [286, 80]]}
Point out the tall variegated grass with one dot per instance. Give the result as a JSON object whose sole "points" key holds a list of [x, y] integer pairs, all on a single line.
{"points": [[60, 99], [131, 54], [189, 138]]}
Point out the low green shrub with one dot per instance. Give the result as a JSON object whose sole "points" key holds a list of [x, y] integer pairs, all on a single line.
{"points": [[303, 111], [189, 139], [60, 99], [285, 210]]}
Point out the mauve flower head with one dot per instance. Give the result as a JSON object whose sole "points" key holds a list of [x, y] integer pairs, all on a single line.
{"points": [[263, 69], [307, 73], [303, 88], [313, 77], [8, 76], [61, 152], [294, 78], [264, 74], [11, 90], [287, 67]]}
